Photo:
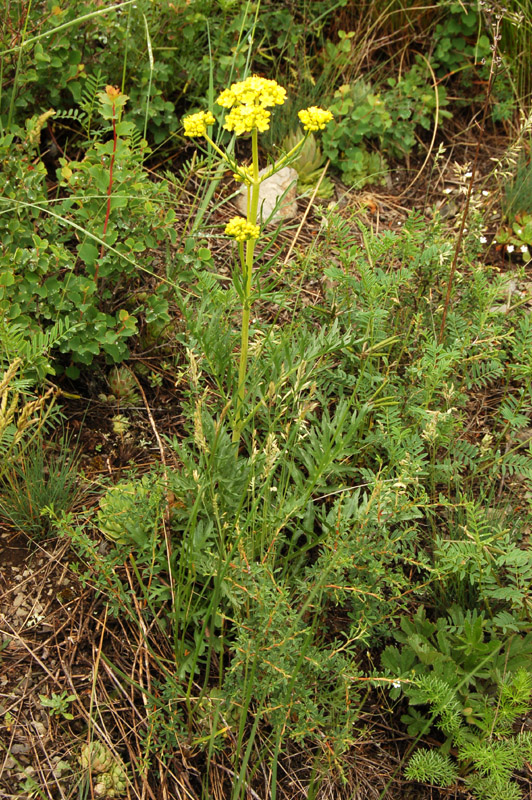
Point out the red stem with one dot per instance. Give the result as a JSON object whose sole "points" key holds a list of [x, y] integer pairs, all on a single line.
{"points": [[109, 191]]}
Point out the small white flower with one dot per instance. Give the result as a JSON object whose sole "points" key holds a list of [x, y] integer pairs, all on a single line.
{"points": [[468, 175], [510, 248], [399, 223], [396, 684], [485, 193], [524, 248], [448, 190], [483, 240]]}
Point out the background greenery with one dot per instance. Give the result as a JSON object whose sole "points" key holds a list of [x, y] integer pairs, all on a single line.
{"points": [[367, 544]]}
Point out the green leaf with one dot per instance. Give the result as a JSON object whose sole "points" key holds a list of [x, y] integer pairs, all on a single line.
{"points": [[88, 253], [7, 278]]}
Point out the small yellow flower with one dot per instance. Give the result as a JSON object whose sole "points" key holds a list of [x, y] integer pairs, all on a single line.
{"points": [[241, 230], [253, 91], [242, 119], [244, 176], [227, 98], [196, 124], [314, 118]]}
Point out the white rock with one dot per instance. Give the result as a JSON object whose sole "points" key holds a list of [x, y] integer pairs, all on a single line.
{"points": [[40, 728], [281, 185]]}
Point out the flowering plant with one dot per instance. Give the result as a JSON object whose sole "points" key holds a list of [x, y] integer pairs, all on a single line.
{"points": [[518, 238], [248, 103]]}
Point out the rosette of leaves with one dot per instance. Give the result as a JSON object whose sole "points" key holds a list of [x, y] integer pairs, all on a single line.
{"points": [[96, 757], [130, 511], [360, 114], [123, 386], [108, 771], [309, 165]]}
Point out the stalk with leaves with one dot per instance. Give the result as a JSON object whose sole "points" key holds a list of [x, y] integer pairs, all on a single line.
{"points": [[112, 103], [248, 102]]}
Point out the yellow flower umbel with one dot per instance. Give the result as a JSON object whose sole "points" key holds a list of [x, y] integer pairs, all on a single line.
{"points": [[242, 230], [244, 119], [314, 118], [196, 124], [249, 100], [253, 91]]}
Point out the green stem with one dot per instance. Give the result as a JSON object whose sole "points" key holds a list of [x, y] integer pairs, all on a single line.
{"points": [[287, 156], [221, 153], [253, 206], [17, 70]]}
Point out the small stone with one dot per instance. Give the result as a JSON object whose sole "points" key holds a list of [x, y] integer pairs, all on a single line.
{"points": [[20, 749], [19, 599], [40, 729], [281, 185]]}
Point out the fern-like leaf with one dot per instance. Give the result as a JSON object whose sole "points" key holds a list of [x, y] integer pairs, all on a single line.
{"points": [[431, 766]]}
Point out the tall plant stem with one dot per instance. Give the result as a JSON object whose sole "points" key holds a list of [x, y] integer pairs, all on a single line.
{"points": [[109, 192], [17, 71], [465, 212], [247, 267]]}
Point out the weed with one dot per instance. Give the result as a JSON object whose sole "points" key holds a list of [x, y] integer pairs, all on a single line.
{"points": [[58, 704], [248, 102], [39, 478]]}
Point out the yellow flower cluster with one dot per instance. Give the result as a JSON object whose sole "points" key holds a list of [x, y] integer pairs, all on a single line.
{"points": [[242, 119], [314, 118], [196, 124], [249, 100], [245, 176], [242, 230], [253, 91]]}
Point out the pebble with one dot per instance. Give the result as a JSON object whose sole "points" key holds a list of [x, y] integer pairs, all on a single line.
{"points": [[20, 749], [40, 729]]}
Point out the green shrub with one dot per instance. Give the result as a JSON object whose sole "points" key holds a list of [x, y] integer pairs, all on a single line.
{"points": [[75, 270], [386, 120]]}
